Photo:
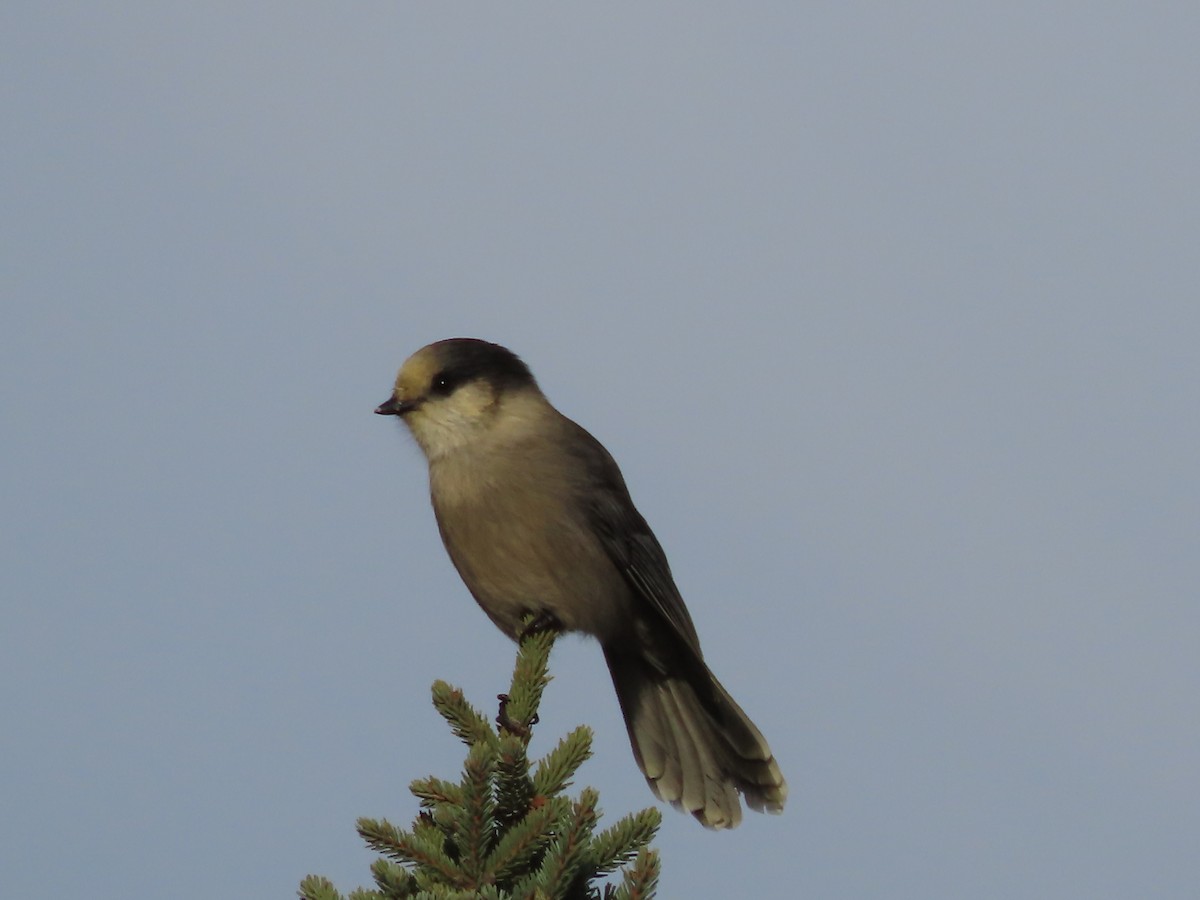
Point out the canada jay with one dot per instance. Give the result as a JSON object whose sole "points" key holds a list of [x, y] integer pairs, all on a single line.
{"points": [[537, 519]]}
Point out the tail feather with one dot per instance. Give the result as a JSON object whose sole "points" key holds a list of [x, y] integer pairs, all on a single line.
{"points": [[695, 745], [693, 760], [660, 759], [708, 793]]}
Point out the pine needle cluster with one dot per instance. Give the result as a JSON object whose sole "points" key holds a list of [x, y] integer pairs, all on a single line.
{"points": [[507, 828]]}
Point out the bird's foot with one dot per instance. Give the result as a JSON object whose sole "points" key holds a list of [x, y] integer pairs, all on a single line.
{"points": [[538, 623]]}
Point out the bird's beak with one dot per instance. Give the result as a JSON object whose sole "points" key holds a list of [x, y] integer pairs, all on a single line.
{"points": [[393, 407]]}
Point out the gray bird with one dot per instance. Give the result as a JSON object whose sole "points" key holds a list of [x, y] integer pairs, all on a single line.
{"points": [[537, 519]]}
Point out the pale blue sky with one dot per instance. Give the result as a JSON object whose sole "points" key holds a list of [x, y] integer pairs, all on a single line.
{"points": [[889, 312]]}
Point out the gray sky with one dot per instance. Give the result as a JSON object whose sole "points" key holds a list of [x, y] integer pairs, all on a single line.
{"points": [[889, 313]]}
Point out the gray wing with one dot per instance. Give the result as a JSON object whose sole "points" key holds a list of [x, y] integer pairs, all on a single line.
{"points": [[628, 540]]}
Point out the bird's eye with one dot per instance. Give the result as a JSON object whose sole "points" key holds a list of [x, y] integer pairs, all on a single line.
{"points": [[443, 383]]}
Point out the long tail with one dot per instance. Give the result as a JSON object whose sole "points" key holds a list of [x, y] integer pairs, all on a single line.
{"points": [[693, 743]]}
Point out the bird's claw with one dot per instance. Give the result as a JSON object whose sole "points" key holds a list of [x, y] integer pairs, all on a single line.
{"points": [[541, 621]]}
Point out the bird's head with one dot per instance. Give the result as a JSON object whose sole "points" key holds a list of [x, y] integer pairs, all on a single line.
{"points": [[452, 392]]}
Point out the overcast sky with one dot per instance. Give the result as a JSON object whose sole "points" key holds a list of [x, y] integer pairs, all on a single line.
{"points": [[889, 312]]}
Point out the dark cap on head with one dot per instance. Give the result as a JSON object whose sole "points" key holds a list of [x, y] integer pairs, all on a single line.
{"points": [[466, 359], [439, 369]]}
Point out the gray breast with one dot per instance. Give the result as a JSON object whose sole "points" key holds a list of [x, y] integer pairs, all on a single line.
{"points": [[522, 543]]}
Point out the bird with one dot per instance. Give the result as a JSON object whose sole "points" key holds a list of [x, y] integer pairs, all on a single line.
{"points": [[536, 517]]}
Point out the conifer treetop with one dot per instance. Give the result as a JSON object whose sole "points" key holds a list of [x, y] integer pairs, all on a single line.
{"points": [[506, 828]]}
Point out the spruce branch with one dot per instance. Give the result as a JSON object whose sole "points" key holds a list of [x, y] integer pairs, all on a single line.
{"points": [[314, 887], [467, 723], [393, 881], [558, 876], [433, 791], [421, 846], [553, 773], [472, 820], [530, 676], [515, 790], [640, 879], [506, 830], [524, 842]]}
